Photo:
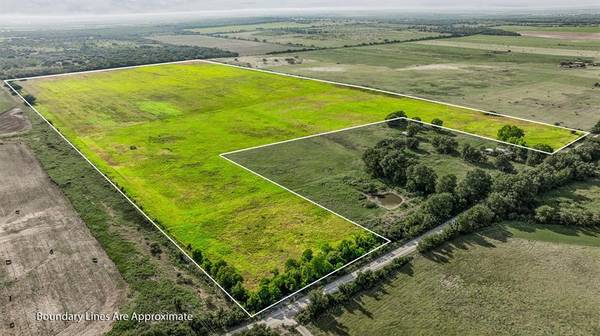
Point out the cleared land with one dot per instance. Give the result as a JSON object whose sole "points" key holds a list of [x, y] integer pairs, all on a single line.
{"points": [[475, 286], [13, 121], [56, 265], [241, 47], [530, 86], [515, 48], [329, 170], [318, 33], [157, 132]]}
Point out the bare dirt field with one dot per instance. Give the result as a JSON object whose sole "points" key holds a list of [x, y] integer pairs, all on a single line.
{"points": [[13, 121], [49, 261], [562, 35]]}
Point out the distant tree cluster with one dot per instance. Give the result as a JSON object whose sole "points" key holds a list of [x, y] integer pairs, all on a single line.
{"points": [[514, 196]]}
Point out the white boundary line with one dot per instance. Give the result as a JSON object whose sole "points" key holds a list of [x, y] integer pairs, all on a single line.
{"points": [[584, 133], [7, 82]]}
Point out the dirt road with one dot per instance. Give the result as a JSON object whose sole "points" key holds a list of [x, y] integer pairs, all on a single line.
{"points": [[49, 261]]}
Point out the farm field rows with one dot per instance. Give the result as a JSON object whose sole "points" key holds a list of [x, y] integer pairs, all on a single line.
{"points": [[158, 131], [530, 86]]}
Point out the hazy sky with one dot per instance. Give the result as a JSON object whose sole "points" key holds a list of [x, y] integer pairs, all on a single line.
{"points": [[60, 7]]}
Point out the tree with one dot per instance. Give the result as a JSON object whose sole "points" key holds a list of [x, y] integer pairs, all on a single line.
{"points": [[394, 166], [477, 217], [412, 129], [510, 133], [420, 178], [437, 122], [444, 144], [197, 256], [259, 330], [546, 214], [371, 158], [474, 187], [534, 157], [441, 206], [596, 128], [30, 99], [503, 164], [472, 154], [398, 123], [446, 184]]}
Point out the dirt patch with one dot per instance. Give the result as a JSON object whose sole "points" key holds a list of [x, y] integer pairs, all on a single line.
{"points": [[563, 35], [49, 261], [327, 69], [13, 121]]}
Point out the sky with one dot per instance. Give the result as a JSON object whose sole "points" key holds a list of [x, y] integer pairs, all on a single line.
{"points": [[108, 7]]}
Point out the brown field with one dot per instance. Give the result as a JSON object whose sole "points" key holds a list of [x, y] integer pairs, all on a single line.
{"points": [[13, 121], [562, 35], [55, 265]]}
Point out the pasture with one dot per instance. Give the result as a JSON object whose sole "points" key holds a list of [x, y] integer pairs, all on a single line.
{"points": [[157, 132], [530, 86], [475, 285], [329, 170]]}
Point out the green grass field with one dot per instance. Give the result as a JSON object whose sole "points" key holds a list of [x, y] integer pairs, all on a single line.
{"points": [[6, 101], [530, 41], [530, 86], [492, 283], [329, 170], [157, 132]]}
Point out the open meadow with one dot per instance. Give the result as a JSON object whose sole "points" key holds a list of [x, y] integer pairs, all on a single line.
{"points": [[530, 86], [318, 33], [157, 132], [475, 285]]}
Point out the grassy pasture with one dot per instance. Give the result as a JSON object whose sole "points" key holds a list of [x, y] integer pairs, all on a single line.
{"points": [[254, 27], [326, 168], [6, 101], [572, 52], [334, 35], [568, 29], [530, 86], [475, 285], [530, 41], [157, 132]]}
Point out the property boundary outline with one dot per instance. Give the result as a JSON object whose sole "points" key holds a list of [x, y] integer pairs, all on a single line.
{"points": [[355, 86], [7, 82]]}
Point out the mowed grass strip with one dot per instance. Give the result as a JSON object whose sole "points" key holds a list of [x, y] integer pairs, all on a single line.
{"points": [[158, 131]]}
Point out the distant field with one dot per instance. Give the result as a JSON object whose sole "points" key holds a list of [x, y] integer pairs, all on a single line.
{"points": [[239, 46], [570, 29], [335, 35], [157, 131], [329, 170], [517, 48], [318, 33], [254, 27], [533, 42], [476, 286], [525, 85]]}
